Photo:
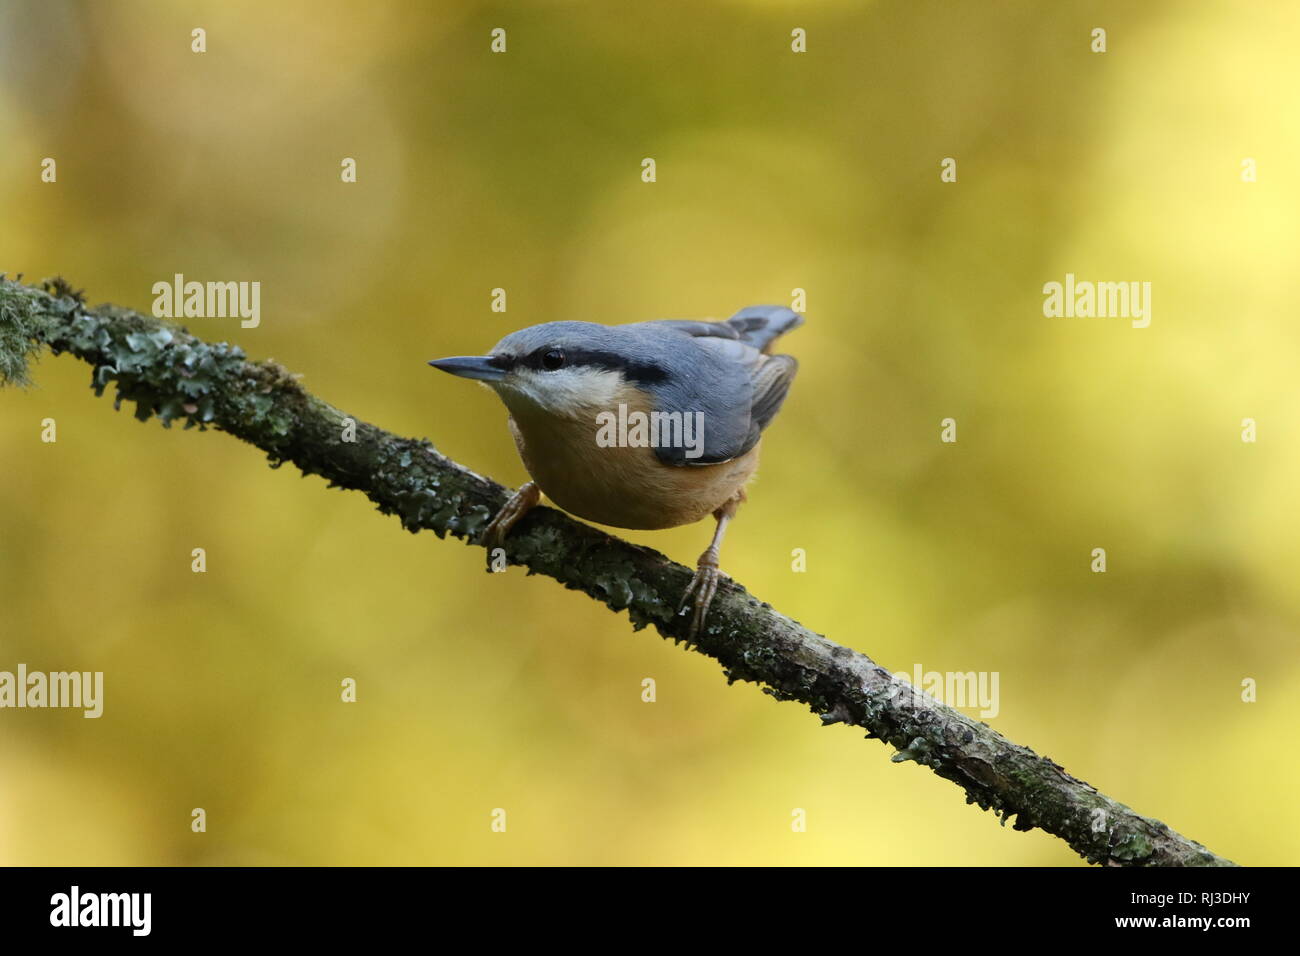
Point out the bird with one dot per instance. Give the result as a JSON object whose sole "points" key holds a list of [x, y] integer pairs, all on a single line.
{"points": [[645, 425]]}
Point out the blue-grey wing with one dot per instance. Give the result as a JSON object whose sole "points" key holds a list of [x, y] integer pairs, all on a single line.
{"points": [[722, 387]]}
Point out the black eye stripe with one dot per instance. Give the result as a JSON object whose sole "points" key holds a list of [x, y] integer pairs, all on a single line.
{"points": [[643, 373]]}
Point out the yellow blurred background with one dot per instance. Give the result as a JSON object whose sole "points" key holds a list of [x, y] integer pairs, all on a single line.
{"points": [[775, 171]]}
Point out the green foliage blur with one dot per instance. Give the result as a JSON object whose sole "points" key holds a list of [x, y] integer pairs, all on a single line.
{"points": [[775, 171]]}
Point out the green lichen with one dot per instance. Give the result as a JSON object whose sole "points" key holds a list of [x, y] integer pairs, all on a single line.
{"points": [[1131, 848], [918, 750], [22, 329]]}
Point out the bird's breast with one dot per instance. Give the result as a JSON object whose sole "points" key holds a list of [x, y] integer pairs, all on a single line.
{"points": [[622, 484]]}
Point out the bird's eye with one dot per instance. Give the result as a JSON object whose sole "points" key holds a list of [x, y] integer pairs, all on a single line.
{"points": [[552, 359]]}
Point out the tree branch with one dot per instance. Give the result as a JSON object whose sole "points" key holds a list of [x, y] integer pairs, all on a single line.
{"points": [[169, 373]]}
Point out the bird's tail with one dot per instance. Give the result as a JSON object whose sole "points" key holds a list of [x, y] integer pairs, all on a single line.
{"points": [[760, 325]]}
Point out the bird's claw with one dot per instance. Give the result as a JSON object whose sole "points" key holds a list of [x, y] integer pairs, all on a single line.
{"points": [[703, 586], [494, 534]]}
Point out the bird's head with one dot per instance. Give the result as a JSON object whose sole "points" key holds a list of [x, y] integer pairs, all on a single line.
{"points": [[562, 368]]}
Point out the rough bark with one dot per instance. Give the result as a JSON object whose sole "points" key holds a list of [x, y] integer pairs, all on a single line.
{"points": [[167, 372]]}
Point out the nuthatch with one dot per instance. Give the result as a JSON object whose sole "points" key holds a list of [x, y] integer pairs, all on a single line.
{"points": [[567, 385]]}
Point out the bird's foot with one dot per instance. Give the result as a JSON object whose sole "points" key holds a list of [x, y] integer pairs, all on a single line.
{"points": [[702, 588], [522, 502]]}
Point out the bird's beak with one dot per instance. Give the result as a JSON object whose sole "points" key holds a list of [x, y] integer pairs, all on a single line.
{"points": [[471, 366]]}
